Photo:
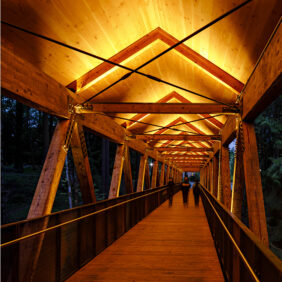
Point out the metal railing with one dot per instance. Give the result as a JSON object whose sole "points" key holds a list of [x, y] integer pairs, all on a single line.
{"points": [[243, 257], [69, 239]]}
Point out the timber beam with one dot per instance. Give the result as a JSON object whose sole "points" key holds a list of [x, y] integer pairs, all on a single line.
{"points": [[265, 83], [229, 130], [185, 137], [185, 156], [18, 79], [49, 96], [157, 108], [188, 149]]}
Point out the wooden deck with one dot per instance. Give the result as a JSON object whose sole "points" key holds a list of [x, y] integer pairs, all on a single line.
{"points": [[171, 244]]}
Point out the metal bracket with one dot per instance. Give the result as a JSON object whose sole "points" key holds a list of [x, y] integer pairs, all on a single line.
{"points": [[84, 109], [69, 133], [234, 109]]}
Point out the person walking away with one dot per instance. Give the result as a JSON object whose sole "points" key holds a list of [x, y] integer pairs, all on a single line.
{"points": [[185, 186], [170, 190], [196, 192]]}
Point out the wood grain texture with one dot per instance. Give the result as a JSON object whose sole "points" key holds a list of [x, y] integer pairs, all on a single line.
{"points": [[215, 175], [141, 173], [256, 211], [225, 177], [171, 244], [127, 171], [162, 174], [45, 95], [117, 172], [228, 131], [265, 82], [188, 149], [154, 174], [46, 189], [82, 166], [161, 108], [186, 137]]}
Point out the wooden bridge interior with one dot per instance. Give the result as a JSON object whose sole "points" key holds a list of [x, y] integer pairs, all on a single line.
{"points": [[175, 80]]}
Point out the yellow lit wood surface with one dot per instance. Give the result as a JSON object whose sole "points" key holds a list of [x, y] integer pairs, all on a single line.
{"points": [[106, 28], [171, 244]]}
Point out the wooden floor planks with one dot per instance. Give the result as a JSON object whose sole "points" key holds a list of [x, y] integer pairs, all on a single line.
{"points": [[171, 244]]}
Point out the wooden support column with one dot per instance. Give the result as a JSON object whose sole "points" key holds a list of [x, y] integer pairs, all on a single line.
{"points": [[141, 173], [219, 185], [81, 161], [167, 174], [147, 177], [105, 166], [207, 176], [211, 176], [43, 199], [154, 174], [127, 171], [238, 186], [215, 174], [162, 174], [256, 211], [117, 172], [158, 176], [225, 177], [47, 186]]}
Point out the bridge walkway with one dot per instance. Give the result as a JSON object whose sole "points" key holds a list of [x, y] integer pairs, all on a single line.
{"points": [[173, 243]]}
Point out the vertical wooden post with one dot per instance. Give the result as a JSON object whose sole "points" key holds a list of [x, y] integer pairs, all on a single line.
{"points": [[154, 174], [219, 185], [117, 172], [44, 197], [47, 186], [105, 166], [141, 173], [162, 174], [158, 176], [208, 176], [238, 177], [127, 171], [215, 174], [225, 177], [256, 211], [147, 176], [167, 174], [81, 161], [211, 175]]}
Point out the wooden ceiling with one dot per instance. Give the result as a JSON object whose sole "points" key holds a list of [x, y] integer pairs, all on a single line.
{"points": [[216, 63]]}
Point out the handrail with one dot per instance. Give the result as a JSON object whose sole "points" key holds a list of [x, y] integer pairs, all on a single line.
{"points": [[231, 238], [77, 208], [76, 219]]}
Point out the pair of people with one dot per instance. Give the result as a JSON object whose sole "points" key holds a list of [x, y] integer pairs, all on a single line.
{"points": [[185, 186]]}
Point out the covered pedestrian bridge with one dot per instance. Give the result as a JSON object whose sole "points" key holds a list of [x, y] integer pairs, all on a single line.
{"points": [[175, 81]]}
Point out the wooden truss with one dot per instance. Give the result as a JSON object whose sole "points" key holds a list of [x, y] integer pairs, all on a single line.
{"points": [[25, 83]]}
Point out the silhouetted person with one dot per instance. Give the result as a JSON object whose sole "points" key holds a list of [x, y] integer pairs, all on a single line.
{"points": [[170, 190], [185, 186], [196, 192]]}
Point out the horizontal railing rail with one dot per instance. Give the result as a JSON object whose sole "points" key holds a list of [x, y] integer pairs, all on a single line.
{"points": [[69, 239], [243, 257]]}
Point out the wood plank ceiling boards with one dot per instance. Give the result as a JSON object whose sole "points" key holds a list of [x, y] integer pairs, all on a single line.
{"points": [[216, 63]]}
